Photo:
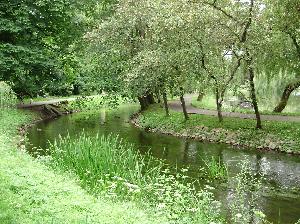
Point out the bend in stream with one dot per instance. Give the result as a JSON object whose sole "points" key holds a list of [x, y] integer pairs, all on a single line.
{"points": [[282, 171]]}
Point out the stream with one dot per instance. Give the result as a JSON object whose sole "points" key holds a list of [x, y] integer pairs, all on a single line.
{"points": [[282, 172]]}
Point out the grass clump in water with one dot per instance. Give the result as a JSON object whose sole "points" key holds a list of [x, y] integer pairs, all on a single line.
{"points": [[216, 169], [111, 167], [104, 163]]}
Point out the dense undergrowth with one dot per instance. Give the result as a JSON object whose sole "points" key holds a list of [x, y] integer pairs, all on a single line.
{"points": [[280, 136]]}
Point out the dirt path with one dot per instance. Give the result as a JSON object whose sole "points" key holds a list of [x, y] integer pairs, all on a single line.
{"points": [[175, 105], [46, 102]]}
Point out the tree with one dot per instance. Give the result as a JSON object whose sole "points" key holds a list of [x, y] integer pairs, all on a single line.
{"points": [[153, 48], [242, 24], [36, 39], [284, 44]]}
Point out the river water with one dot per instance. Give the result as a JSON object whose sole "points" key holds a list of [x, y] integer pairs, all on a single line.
{"points": [[282, 172]]}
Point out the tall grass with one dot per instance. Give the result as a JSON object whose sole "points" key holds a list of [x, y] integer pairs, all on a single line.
{"points": [[113, 168], [104, 162], [216, 169]]}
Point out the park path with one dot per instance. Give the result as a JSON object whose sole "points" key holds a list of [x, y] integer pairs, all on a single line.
{"points": [[176, 105], [46, 102]]}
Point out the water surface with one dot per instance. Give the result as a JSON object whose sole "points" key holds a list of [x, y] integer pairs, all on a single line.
{"points": [[282, 172]]}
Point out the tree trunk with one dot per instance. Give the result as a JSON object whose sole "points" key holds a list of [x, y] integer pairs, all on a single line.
{"points": [[200, 96], [285, 96], [186, 116], [150, 98], [157, 94], [166, 103], [219, 105], [219, 109], [146, 100], [253, 94], [143, 103]]}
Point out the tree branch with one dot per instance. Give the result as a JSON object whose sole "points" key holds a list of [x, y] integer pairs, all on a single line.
{"points": [[232, 74], [214, 5], [248, 23]]}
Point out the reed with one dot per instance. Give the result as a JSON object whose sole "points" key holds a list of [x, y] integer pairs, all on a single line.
{"points": [[216, 169], [105, 162], [110, 167]]}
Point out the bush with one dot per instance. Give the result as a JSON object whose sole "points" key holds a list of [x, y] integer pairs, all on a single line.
{"points": [[7, 96]]}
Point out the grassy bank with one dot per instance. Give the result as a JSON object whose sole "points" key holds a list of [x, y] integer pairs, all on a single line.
{"points": [[110, 167], [31, 192], [277, 136]]}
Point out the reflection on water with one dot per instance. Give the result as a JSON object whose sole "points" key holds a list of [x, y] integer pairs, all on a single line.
{"points": [[282, 171]]}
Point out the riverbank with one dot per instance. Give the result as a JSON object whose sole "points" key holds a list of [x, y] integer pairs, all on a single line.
{"points": [[31, 192], [276, 136]]}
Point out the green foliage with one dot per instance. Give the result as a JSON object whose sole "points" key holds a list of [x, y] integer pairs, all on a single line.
{"points": [[283, 41], [40, 41], [7, 96], [94, 103], [269, 90], [216, 169]]}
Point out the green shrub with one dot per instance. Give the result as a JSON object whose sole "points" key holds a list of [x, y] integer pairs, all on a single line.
{"points": [[244, 203], [7, 96]]}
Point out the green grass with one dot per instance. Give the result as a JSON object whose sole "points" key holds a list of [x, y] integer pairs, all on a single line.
{"points": [[282, 136], [101, 161], [112, 168], [208, 102], [31, 192], [215, 169]]}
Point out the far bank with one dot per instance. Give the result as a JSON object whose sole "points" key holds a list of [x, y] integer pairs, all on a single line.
{"points": [[275, 136]]}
